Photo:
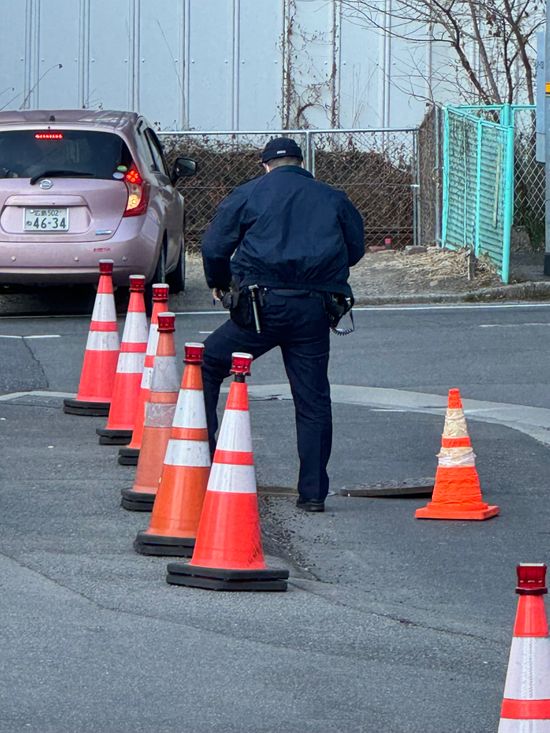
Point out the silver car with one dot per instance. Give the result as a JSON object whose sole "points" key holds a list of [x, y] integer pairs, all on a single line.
{"points": [[77, 186]]}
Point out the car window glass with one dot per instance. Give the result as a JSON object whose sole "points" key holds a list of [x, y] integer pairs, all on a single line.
{"points": [[26, 153], [145, 150], [156, 151]]}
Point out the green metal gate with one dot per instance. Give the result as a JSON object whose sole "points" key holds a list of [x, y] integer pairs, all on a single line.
{"points": [[478, 184]]}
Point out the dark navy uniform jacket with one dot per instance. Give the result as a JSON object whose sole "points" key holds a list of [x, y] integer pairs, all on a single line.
{"points": [[285, 230]]}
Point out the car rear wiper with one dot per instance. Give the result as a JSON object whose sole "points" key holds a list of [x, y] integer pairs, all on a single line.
{"points": [[69, 174]]}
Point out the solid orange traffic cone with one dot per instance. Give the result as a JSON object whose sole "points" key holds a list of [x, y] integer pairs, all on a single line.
{"points": [[179, 499], [128, 456], [526, 703], [101, 355], [228, 551], [159, 413], [129, 370], [457, 492]]}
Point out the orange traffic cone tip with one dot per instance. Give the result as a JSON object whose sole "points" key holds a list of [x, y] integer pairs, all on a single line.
{"points": [[526, 702], [228, 551], [457, 491], [159, 413], [180, 496], [101, 355], [128, 456], [129, 371]]}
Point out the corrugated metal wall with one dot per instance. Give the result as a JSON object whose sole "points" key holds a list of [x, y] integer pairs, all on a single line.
{"points": [[478, 186], [207, 64]]}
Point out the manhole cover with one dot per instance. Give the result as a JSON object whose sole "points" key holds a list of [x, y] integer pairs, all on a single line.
{"points": [[408, 487]]}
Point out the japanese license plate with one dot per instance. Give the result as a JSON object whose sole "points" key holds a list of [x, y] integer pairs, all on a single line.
{"points": [[46, 220]]}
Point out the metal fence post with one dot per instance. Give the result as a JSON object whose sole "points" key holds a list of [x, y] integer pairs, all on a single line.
{"points": [[311, 151], [308, 150], [437, 175], [416, 187], [508, 203], [445, 212], [479, 147]]}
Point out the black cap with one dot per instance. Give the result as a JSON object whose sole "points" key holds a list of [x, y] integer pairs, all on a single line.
{"points": [[281, 147]]}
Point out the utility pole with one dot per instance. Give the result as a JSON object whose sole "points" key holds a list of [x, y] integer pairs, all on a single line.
{"points": [[547, 141]]}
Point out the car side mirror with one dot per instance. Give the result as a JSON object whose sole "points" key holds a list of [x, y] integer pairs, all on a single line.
{"points": [[183, 168]]}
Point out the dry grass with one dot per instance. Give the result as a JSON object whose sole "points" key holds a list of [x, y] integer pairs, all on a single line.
{"points": [[397, 273]]}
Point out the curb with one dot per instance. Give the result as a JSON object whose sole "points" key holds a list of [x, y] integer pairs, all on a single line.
{"points": [[533, 290]]}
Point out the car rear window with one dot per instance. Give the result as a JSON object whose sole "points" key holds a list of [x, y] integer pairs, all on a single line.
{"points": [[28, 153]]}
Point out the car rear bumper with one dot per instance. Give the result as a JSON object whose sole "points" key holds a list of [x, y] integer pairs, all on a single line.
{"points": [[73, 263]]}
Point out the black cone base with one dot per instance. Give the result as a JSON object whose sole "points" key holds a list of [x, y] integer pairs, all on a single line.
{"points": [[154, 544], [114, 437], [195, 576], [79, 407], [128, 456], [137, 501]]}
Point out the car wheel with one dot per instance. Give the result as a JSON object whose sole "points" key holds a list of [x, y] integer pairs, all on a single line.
{"points": [[159, 276], [176, 279], [160, 272]]}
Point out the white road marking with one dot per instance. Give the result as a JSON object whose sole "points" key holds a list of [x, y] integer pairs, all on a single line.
{"points": [[35, 393], [202, 313], [404, 308], [449, 306], [44, 336], [386, 409], [206, 332], [37, 336], [510, 325]]}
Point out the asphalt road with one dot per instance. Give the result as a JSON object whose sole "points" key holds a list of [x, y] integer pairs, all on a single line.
{"points": [[390, 624]]}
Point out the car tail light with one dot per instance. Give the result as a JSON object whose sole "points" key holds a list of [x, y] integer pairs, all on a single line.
{"points": [[48, 136], [138, 193]]}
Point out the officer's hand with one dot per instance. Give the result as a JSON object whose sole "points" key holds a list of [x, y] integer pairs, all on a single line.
{"points": [[217, 294]]}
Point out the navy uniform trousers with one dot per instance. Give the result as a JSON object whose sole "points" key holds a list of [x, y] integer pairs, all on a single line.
{"points": [[296, 322]]}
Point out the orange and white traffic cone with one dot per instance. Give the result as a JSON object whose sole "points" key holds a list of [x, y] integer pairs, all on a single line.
{"points": [[526, 703], [129, 370], [128, 456], [457, 491], [178, 504], [159, 414], [97, 377], [228, 551]]}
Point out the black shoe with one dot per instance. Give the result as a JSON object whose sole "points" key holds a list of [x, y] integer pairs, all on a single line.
{"points": [[310, 505]]}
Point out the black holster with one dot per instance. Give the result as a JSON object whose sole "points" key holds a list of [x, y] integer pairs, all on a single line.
{"points": [[336, 307], [239, 303]]}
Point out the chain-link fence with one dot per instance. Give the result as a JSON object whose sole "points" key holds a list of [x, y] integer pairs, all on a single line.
{"points": [[378, 171], [430, 137], [478, 186], [529, 177], [376, 168]]}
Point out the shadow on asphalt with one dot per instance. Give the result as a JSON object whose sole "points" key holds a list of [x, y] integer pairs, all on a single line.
{"points": [[47, 302]]}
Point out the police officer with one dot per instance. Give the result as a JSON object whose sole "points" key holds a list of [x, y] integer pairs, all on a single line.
{"points": [[295, 238]]}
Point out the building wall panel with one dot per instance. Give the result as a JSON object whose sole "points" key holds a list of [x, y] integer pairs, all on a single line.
{"points": [[212, 64], [114, 53], [162, 63], [12, 54], [260, 65], [58, 54]]}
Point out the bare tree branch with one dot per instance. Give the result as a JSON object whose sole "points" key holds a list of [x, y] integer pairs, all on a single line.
{"points": [[492, 40]]}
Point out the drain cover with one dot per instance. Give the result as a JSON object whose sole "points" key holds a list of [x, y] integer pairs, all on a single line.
{"points": [[408, 487]]}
